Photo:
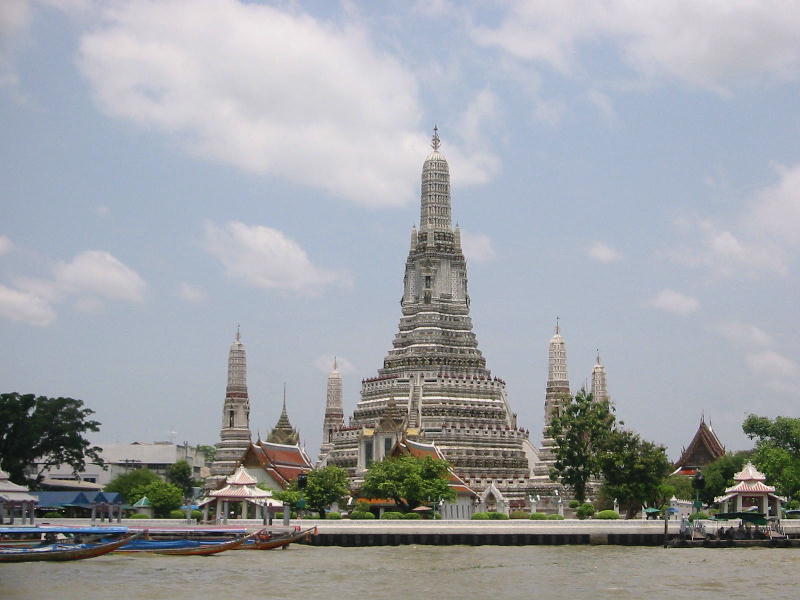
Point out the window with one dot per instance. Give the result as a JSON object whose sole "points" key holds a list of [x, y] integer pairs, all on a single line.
{"points": [[230, 418]]}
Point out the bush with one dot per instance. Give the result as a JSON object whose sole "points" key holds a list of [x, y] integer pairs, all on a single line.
{"points": [[519, 514], [392, 515], [361, 506], [584, 511], [334, 516], [138, 516], [177, 514], [361, 515], [574, 504], [412, 515], [51, 515], [537, 516], [498, 516], [607, 514], [480, 516], [555, 517], [279, 515], [197, 514], [698, 515]]}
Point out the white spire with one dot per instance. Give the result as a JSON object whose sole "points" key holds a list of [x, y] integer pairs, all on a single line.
{"points": [[599, 385], [557, 358], [237, 363], [435, 196]]}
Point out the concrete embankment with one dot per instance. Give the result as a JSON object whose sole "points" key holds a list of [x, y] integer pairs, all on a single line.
{"points": [[471, 533]]}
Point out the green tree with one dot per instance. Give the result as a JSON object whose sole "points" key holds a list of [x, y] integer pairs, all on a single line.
{"points": [[37, 432], [633, 470], [210, 452], [580, 431], [777, 451], [324, 487], [679, 486], [408, 480], [162, 495], [719, 475], [126, 483], [180, 475]]}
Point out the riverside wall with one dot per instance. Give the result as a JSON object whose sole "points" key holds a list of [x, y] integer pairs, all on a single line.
{"points": [[504, 533]]}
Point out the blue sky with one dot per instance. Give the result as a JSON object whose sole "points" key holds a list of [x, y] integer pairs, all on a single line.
{"points": [[173, 168]]}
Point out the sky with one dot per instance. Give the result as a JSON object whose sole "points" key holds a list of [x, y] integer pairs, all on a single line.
{"points": [[173, 168]]}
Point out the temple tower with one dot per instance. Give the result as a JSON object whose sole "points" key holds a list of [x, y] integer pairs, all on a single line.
{"points": [[334, 411], [599, 386], [235, 432], [434, 371], [556, 394]]}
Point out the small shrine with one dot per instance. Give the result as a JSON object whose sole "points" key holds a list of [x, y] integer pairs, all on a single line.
{"points": [[240, 487], [15, 499], [750, 493]]}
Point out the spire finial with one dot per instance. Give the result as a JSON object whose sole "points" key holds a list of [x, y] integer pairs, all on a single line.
{"points": [[284, 397], [598, 356], [435, 141], [557, 326], [335, 368], [237, 332]]}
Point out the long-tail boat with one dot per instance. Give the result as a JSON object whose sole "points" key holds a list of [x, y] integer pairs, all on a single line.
{"points": [[281, 541], [63, 552], [187, 547]]}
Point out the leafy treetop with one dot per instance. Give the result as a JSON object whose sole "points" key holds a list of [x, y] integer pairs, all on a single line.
{"points": [[37, 433], [408, 480]]}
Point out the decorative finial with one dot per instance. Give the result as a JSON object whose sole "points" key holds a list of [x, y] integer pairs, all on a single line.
{"points": [[335, 368], [435, 142], [237, 332], [598, 356], [284, 396], [557, 328]]}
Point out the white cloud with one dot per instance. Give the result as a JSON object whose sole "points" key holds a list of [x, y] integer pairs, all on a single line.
{"points": [[605, 107], [711, 45], [477, 247], [603, 253], [88, 279], [99, 273], [776, 213], [26, 307], [269, 91], [769, 363], [324, 363], [6, 245], [674, 302], [265, 258], [191, 293], [742, 333], [762, 239]]}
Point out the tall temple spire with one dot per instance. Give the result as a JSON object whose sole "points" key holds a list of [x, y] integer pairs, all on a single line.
{"points": [[435, 193], [434, 375], [334, 410], [557, 393], [235, 430], [599, 385]]}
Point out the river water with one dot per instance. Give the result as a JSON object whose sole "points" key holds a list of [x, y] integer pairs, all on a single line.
{"points": [[429, 572]]}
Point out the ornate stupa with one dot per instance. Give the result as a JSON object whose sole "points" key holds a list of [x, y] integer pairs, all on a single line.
{"points": [[434, 372], [556, 393], [599, 385], [334, 411], [283, 432], [235, 432]]}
